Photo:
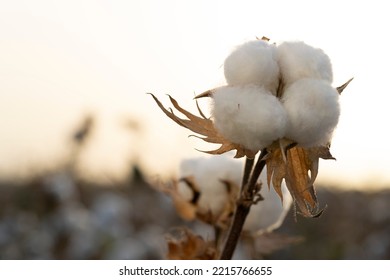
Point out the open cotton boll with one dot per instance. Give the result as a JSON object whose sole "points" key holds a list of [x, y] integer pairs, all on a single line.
{"points": [[253, 62], [298, 60], [207, 174], [248, 115], [313, 111], [268, 214]]}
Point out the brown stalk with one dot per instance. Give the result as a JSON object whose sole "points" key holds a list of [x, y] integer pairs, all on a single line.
{"points": [[249, 190]]}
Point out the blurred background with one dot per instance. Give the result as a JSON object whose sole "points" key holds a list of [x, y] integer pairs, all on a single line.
{"points": [[80, 140]]}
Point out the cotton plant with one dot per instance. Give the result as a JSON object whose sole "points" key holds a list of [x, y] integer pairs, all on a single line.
{"points": [[278, 102]]}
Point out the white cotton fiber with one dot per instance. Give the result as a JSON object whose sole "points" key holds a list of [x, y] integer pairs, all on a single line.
{"points": [[253, 62], [298, 60], [248, 115], [207, 173], [313, 111], [268, 214]]}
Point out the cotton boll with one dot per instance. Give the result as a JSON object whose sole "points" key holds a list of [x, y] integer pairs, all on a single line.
{"points": [[248, 115], [313, 111], [207, 174], [268, 214], [253, 62], [298, 60]]}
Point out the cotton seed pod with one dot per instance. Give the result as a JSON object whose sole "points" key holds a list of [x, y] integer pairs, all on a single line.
{"points": [[313, 111], [253, 62], [298, 60], [207, 174], [248, 115]]}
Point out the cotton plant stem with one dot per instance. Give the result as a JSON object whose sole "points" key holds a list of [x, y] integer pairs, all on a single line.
{"points": [[248, 192], [247, 172]]}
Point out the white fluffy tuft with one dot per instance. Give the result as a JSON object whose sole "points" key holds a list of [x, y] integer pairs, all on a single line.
{"points": [[248, 115], [313, 111], [207, 173], [267, 215], [253, 62], [298, 60]]}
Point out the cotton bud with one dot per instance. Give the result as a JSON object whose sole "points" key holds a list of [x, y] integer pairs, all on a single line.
{"points": [[207, 174], [298, 60], [248, 115], [313, 111], [253, 62], [268, 214]]}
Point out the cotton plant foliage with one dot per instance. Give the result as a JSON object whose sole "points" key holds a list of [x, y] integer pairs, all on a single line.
{"points": [[278, 100]]}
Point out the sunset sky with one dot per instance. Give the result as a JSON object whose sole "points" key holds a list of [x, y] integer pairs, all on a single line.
{"points": [[63, 60]]}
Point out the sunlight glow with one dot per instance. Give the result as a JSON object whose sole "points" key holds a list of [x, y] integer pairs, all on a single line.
{"points": [[62, 60]]}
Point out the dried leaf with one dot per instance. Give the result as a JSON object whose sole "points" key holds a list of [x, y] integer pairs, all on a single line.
{"points": [[295, 171], [204, 127], [188, 246]]}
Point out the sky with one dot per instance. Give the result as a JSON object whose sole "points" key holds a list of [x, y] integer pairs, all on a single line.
{"points": [[63, 60]]}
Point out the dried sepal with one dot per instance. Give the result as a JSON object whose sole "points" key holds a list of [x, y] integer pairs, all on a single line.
{"points": [[342, 87], [204, 127], [276, 168], [294, 169], [299, 183], [188, 246]]}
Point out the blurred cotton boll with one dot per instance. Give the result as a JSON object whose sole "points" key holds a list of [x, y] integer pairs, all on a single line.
{"points": [[207, 174], [248, 115], [313, 111], [298, 60], [253, 62]]}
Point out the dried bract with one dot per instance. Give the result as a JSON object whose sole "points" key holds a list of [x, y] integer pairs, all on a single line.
{"points": [[293, 165]]}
